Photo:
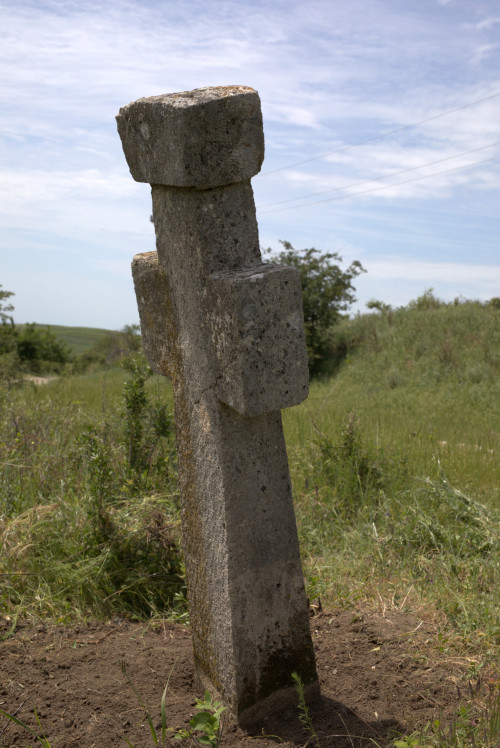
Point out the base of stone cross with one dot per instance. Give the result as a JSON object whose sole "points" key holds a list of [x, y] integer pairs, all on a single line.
{"points": [[254, 715]]}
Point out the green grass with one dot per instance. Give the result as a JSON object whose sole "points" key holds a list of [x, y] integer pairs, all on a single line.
{"points": [[394, 463], [84, 533], [395, 468], [395, 471], [79, 339], [426, 381]]}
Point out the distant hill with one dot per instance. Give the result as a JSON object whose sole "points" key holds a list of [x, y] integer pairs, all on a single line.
{"points": [[79, 339]]}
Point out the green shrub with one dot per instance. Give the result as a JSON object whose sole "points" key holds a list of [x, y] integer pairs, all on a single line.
{"points": [[327, 293]]}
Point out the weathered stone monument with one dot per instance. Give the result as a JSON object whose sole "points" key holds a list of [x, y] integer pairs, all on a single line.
{"points": [[228, 330]]}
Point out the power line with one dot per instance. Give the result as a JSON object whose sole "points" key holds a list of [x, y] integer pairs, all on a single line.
{"points": [[384, 176], [382, 135], [384, 186]]}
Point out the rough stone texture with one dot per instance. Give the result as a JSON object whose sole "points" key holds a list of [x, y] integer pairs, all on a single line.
{"points": [[257, 330], [247, 601], [156, 322], [202, 138]]}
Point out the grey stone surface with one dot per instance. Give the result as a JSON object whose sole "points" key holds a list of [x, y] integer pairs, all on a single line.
{"points": [[156, 322], [257, 329], [204, 296], [202, 138]]}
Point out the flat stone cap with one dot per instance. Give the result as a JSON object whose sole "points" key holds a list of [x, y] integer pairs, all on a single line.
{"points": [[204, 138]]}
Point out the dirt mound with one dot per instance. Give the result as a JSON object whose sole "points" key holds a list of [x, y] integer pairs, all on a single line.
{"points": [[378, 675]]}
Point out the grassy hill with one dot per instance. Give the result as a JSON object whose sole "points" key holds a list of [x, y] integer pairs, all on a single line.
{"points": [[424, 378], [79, 339]]}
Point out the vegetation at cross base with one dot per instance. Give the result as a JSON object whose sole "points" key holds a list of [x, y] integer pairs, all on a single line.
{"points": [[394, 463], [476, 723], [205, 727], [327, 294]]}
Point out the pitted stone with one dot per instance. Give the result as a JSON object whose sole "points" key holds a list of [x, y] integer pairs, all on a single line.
{"points": [[203, 138], [154, 313], [257, 328], [228, 329]]}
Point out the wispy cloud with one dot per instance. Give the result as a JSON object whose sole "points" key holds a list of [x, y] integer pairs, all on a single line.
{"points": [[487, 23], [44, 187], [398, 268], [329, 75]]}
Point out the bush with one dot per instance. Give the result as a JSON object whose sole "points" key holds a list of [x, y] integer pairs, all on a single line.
{"points": [[27, 348], [40, 351], [110, 350], [327, 293]]}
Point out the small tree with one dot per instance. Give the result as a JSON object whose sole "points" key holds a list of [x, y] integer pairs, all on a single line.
{"points": [[6, 307], [379, 306], [39, 350], [327, 293], [9, 359]]}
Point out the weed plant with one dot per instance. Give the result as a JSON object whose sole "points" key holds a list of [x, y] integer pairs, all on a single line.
{"points": [[89, 511], [205, 727], [304, 714], [40, 738]]}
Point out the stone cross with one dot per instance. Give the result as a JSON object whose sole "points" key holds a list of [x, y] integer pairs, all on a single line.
{"points": [[228, 330]]}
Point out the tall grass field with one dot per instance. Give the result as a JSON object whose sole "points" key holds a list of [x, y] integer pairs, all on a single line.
{"points": [[394, 461]]}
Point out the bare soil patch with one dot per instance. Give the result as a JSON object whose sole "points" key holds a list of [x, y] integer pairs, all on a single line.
{"points": [[38, 380], [378, 675]]}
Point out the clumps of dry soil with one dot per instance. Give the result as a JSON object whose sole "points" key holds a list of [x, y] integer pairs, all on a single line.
{"points": [[379, 676]]}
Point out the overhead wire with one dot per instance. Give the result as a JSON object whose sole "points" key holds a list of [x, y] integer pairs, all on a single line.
{"points": [[384, 186], [383, 176], [382, 135]]}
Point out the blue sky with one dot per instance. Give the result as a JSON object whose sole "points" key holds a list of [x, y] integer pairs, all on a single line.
{"points": [[347, 168]]}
